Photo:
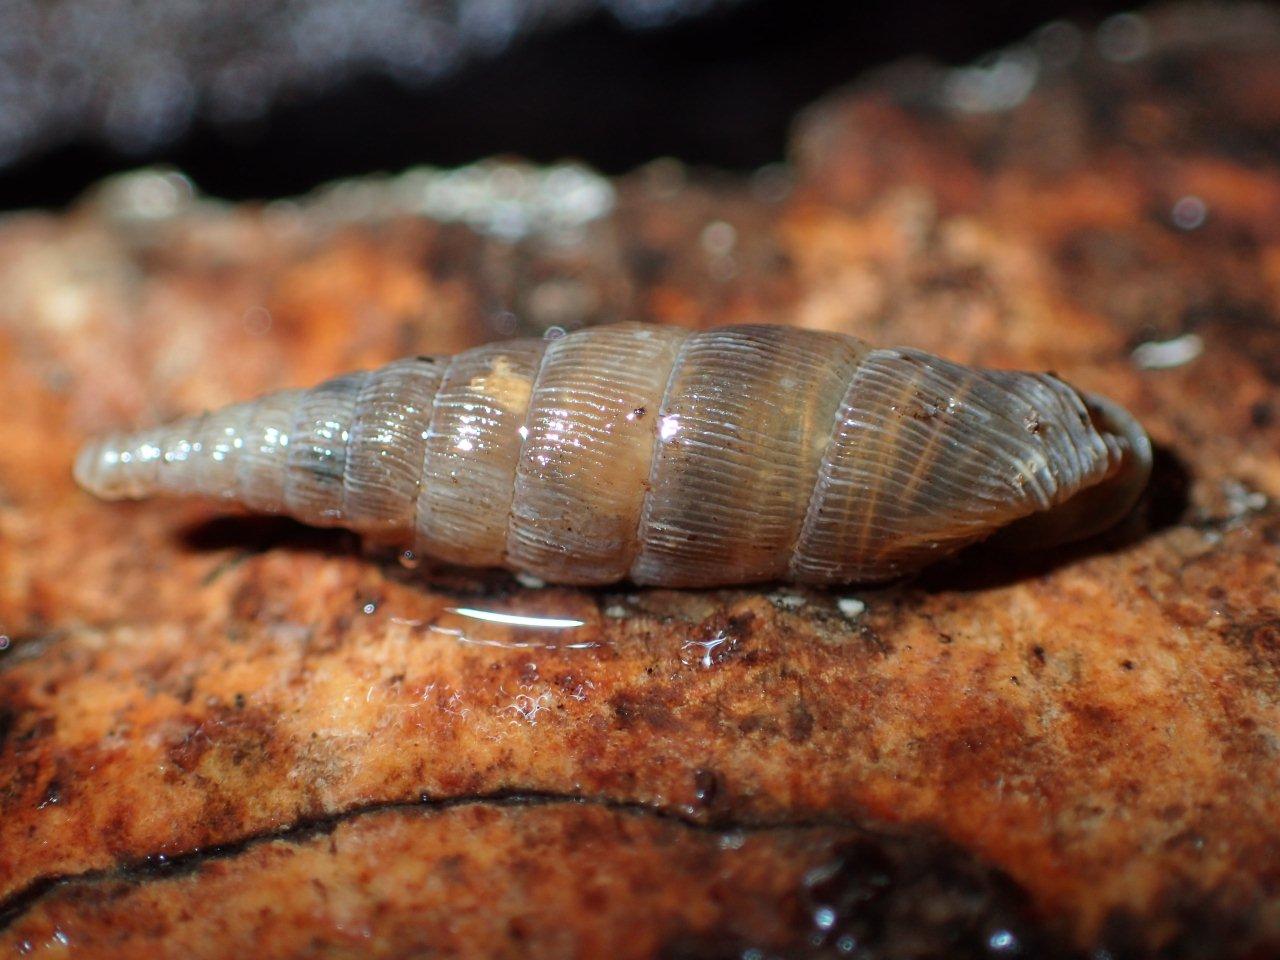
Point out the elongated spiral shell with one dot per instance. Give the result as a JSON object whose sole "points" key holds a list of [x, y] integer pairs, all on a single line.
{"points": [[662, 456]]}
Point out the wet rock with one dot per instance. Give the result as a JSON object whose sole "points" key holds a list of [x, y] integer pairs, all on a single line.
{"points": [[194, 688]]}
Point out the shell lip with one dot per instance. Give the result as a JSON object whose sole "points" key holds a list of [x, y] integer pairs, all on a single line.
{"points": [[1101, 506], [1133, 470]]}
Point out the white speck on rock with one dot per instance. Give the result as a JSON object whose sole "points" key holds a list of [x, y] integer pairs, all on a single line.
{"points": [[786, 600], [851, 607], [1166, 354]]}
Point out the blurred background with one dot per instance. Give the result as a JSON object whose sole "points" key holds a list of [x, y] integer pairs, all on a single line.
{"points": [[263, 100]]}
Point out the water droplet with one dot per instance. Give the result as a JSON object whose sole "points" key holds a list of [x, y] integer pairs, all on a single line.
{"points": [[257, 320], [718, 238], [518, 619], [706, 786], [706, 653], [369, 607], [1189, 212], [512, 630], [999, 82], [1003, 941], [52, 796], [410, 560], [846, 896], [734, 840], [505, 322]]}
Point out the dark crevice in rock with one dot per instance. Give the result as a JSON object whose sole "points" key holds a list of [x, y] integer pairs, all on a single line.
{"points": [[912, 863]]}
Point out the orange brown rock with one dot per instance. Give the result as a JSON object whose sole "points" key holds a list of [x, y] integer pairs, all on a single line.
{"points": [[1085, 741]]}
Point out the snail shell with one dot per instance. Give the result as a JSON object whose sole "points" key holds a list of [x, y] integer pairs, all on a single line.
{"points": [[662, 456]]}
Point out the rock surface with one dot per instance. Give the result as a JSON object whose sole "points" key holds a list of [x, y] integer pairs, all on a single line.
{"points": [[217, 732]]}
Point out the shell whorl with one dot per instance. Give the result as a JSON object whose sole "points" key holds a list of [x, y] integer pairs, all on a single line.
{"points": [[667, 457]]}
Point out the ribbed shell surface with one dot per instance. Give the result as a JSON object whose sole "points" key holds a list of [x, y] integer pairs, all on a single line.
{"points": [[472, 447], [645, 452], [317, 456], [745, 419], [585, 465], [388, 442], [928, 456], [264, 454]]}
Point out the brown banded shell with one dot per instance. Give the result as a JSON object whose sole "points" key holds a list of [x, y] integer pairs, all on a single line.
{"points": [[662, 456]]}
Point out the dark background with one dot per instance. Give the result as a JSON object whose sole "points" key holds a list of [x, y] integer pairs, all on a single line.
{"points": [[715, 89]]}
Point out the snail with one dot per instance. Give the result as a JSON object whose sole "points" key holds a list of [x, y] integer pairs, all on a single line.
{"points": [[663, 456]]}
